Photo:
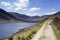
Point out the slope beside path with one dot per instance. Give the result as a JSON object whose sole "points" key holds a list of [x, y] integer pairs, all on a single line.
{"points": [[45, 33]]}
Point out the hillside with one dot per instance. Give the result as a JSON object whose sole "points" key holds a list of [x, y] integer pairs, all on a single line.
{"points": [[55, 24], [16, 17], [57, 14], [56, 27]]}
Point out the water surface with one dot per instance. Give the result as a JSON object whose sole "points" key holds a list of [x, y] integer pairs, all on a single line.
{"points": [[7, 29]]}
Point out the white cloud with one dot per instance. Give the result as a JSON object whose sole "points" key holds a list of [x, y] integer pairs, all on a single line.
{"points": [[49, 13], [21, 4], [7, 4], [34, 9]]}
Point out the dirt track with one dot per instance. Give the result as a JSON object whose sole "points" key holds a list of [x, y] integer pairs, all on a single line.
{"points": [[45, 33]]}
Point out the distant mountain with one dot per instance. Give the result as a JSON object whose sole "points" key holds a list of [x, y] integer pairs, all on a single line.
{"points": [[19, 15], [29, 18], [4, 15], [25, 17], [14, 17]]}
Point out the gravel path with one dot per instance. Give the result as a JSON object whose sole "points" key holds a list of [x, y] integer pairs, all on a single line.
{"points": [[45, 33]]}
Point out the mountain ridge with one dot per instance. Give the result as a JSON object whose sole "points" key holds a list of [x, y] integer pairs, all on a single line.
{"points": [[13, 16]]}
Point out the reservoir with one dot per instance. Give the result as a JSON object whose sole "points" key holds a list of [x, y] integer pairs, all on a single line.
{"points": [[7, 29]]}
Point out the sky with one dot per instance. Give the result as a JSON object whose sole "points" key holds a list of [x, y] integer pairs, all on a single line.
{"points": [[31, 7]]}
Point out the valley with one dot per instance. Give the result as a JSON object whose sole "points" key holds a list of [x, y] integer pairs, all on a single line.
{"points": [[46, 27]]}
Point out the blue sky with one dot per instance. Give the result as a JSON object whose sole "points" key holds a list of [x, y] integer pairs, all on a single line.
{"points": [[31, 7]]}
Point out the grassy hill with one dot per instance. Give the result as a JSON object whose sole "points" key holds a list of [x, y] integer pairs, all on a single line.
{"points": [[56, 24], [56, 27]]}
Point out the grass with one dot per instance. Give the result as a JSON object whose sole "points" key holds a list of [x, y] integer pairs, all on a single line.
{"points": [[27, 35], [56, 31], [1, 20]]}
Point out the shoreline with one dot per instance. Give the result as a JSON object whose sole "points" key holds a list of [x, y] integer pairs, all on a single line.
{"points": [[19, 31]]}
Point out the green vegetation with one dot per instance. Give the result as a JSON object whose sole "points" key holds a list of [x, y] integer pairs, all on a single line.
{"points": [[56, 31], [27, 35], [1, 20]]}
